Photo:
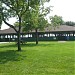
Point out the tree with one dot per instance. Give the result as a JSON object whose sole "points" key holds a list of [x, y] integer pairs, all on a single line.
{"points": [[17, 8], [14, 8], [70, 23], [56, 20], [36, 19]]}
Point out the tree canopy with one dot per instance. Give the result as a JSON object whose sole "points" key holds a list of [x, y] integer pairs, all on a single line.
{"points": [[18, 9], [35, 19], [56, 20]]}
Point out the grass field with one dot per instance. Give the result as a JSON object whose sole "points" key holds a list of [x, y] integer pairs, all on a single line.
{"points": [[46, 58]]}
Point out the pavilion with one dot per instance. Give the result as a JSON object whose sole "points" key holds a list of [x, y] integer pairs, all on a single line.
{"points": [[62, 32]]}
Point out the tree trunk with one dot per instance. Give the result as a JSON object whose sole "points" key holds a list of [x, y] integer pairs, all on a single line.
{"points": [[36, 37], [19, 38], [19, 46]]}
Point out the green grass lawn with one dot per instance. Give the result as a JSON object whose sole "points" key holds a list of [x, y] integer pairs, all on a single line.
{"points": [[46, 58]]}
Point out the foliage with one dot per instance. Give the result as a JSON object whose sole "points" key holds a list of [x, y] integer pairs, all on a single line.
{"points": [[35, 18], [56, 20], [47, 58], [70, 23]]}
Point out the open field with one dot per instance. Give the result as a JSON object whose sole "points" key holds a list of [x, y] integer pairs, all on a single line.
{"points": [[46, 58]]}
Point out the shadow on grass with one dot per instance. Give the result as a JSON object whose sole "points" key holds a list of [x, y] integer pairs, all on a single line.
{"points": [[8, 45], [10, 55], [27, 45], [40, 44]]}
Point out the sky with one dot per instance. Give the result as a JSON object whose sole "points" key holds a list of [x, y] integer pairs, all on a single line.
{"points": [[64, 8]]}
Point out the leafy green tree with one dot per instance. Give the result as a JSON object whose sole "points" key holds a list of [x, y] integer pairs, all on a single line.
{"points": [[56, 20], [17, 8], [36, 20], [14, 8]]}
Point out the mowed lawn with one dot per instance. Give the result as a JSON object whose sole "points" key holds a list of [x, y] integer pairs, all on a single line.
{"points": [[46, 58]]}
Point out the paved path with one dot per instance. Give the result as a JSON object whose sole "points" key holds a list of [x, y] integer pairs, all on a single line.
{"points": [[3, 42], [62, 41]]}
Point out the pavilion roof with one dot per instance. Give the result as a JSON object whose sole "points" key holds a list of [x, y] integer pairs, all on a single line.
{"points": [[48, 29], [61, 28]]}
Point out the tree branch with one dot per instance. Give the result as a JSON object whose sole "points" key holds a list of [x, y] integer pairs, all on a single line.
{"points": [[24, 11], [7, 22], [26, 8], [9, 5], [10, 25]]}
